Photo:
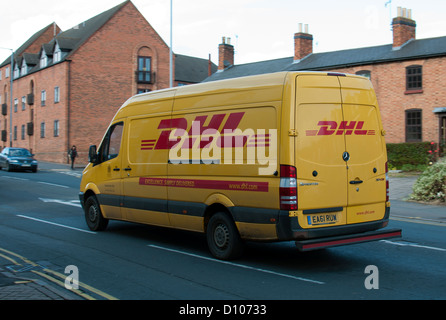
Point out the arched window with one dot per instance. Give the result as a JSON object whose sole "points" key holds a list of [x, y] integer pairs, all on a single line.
{"points": [[364, 73]]}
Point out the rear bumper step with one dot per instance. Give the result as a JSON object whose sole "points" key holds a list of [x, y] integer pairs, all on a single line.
{"points": [[320, 243]]}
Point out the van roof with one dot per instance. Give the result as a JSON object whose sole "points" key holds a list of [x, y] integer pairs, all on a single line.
{"points": [[257, 82]]}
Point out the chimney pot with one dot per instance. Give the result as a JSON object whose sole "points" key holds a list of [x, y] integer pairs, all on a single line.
{"points": [[303, 43], [225, 54], [403, 27]]}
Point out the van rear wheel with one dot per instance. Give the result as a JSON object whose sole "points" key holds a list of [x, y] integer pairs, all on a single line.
{"points": [[223, 238], [93, 215]]}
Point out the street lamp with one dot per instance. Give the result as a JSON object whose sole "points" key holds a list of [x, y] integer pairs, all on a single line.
{"points": [[10, 94]]}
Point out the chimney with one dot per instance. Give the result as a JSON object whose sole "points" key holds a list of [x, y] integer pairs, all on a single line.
{"points": [[225, 54], [303, 43], [403, 27]]}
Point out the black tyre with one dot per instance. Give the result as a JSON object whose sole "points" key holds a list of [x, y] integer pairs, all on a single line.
{"points": [[223, 238], [93, 215]]}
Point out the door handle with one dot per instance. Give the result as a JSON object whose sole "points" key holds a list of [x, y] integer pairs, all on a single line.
{"points": [[128, 169], [116, 169], [356, 181]]}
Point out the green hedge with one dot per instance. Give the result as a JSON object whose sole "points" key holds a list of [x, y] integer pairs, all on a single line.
{"points": [[414, 154]]}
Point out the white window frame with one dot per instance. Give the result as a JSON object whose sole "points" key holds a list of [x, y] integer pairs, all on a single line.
{"points": [[43, 60], [56, 128], [56, 94], [57, 56], [43, 98]]}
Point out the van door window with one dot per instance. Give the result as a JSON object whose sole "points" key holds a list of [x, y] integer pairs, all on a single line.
{"points": [[112, 142]]}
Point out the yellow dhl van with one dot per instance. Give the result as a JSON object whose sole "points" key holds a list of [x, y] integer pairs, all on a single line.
{"points": [[285, 156]]}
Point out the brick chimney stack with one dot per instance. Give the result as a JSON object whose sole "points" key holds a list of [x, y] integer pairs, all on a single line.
{"points": [[225, 54], [303, 43], [403, 27]]}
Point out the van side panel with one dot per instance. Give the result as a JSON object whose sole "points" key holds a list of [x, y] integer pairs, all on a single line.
{"points": [[229, 151]]}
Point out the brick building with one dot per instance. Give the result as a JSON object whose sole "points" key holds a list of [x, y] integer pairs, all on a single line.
{"points": [[408, 76], [68, 85]]}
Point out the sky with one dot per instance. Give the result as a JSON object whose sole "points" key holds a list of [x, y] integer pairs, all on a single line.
{"points": [[259, 29]]}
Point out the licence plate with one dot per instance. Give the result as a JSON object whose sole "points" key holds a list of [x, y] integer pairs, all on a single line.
{"points": [[322, 218], [26, 165]]}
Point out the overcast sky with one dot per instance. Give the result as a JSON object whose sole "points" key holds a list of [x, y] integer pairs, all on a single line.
{"points": [[259, 29]]}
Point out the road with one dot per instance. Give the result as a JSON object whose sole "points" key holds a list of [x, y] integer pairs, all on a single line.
{"points": [[42, 225]]}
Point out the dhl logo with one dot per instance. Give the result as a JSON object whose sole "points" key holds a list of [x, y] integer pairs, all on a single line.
{"points": [[329, 128], [198, 135]]}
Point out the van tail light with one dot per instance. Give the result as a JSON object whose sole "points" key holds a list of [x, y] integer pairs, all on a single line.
{"points": [[288, 188], [387, 184]]}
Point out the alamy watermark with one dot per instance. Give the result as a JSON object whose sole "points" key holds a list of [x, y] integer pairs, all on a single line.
{"points": [[235, 146], [372, 280], [72, 280]]}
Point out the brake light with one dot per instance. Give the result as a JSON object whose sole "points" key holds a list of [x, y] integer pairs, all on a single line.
{"points": [[387, 184], [288, 188]]}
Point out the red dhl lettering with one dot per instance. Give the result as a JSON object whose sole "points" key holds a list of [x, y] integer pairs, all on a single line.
{"points": [[224, 132], [328, 128]]}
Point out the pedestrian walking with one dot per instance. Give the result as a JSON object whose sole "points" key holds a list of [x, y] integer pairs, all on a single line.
{"points": [[73, 154]]}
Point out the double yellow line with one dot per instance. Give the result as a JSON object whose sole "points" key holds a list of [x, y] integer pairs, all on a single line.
{"points": [[53, 276]]}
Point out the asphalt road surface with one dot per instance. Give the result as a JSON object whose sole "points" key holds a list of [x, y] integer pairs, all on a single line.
{"points": [[42, 230]]}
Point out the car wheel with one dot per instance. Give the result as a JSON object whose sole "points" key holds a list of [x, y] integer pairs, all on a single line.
{"points": [[8, 167], [223, 238], [93, 215]]}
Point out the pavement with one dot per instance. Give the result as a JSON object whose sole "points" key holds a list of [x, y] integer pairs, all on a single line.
{"points": [[14, 286]]}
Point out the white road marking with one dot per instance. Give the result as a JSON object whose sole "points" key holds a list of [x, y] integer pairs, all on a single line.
{"points": [[55, 224], [402, 244], [53, 184], [237, 265], [15, 178], [74, 203]]}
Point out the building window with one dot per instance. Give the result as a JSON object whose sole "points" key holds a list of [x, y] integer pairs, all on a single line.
{"points": [[364, 73], [7, 72], [56, 94], [43, 60], [42, 130], [23, 132], [414, 79], [23, 103], [56, 128], [143, 90], [43, 98], [24, 68], [413, 125], [16, 103], [15, 132], [57, 54], [144, 69], [16, 72]]}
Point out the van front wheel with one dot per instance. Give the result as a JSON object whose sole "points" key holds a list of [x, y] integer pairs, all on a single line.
{"points": [[93, 215], [223, 238]]}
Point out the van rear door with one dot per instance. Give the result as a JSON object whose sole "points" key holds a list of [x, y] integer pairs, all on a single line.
{"points": [[340, 151], [364, 142], [321, 170]]}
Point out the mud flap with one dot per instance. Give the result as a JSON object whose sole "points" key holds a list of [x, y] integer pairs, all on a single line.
{"points": [[327, 242]]}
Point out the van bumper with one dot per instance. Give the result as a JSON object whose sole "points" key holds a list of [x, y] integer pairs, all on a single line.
{"points": [[288, 228]]}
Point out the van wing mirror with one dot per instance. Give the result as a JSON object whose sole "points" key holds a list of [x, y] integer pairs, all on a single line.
{"points": [[92, 154]]}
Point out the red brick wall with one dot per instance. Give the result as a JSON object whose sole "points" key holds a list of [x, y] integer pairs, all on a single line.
{"points": [[49, 148], [389, 82], [103, 74]]}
